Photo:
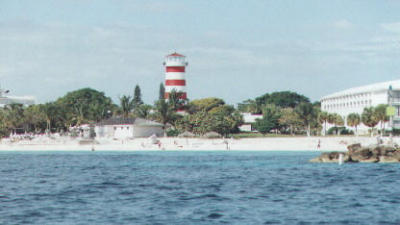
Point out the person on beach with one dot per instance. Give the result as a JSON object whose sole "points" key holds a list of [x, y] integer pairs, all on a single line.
{"points": [[319, 144], [227, 144]]}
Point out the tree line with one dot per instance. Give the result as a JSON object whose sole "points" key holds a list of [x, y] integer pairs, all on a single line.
{"points": [[89, 106], [370, 117], [282, 112]]}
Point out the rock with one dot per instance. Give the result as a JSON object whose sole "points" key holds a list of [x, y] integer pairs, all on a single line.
{"points": [[357, 153], [354, 147], [330, 157], [386, 159]]}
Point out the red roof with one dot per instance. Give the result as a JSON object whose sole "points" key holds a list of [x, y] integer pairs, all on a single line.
{"points": [[176, 54]]}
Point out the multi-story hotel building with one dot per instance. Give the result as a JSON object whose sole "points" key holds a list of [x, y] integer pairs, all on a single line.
{"points": [[354, 100]]}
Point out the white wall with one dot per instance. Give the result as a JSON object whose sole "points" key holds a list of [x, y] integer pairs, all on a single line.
{"points": [[147, 131], [354, 103], [127, 131]]}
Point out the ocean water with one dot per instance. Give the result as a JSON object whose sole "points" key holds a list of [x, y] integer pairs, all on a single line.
{"points": [[194, 188]]}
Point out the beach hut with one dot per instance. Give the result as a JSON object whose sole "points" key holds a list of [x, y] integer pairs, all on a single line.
{"points": [[124, 128]]}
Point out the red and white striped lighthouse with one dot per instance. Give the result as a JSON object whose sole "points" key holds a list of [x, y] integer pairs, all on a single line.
{"points": [[175, 65]]}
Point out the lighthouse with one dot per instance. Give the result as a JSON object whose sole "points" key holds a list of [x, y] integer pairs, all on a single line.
{"points": [[175, 65]]}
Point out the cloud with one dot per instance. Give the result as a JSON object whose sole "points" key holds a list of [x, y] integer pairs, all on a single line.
{"points": [[343, 24], [392, 27]]}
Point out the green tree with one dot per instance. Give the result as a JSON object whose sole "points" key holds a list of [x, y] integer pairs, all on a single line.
{"points": [[305, 111], [323, 119], [127, 105], [353, 120], [165, 113], [224, 110], [14, 114], [282, 99], [337, 121], [269, 121], [137, 97], [315, 124], [289, 120], [368, 117], [380, 114], [55, 116], [161, 93], [35, 119], [223, 119], [143, 111], [175, 100], [205, 104], [85, 105], [4, 130], [250, 106]]}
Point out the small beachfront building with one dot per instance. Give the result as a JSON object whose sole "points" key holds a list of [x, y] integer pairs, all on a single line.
{"points": [[125, 128], [354, 100], [248, 121]]}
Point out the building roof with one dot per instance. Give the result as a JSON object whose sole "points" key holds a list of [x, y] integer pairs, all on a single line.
{"points": [[383, 86], [128, 121], [176, 54]]}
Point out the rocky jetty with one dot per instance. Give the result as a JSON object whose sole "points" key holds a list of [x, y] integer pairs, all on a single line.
{"points": [[357, 153]]}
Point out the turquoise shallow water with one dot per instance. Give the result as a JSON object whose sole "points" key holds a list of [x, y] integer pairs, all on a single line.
{"points": [[194, 188]]}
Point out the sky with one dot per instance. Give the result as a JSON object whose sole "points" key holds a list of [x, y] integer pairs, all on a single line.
{"points": [[236, 49]]}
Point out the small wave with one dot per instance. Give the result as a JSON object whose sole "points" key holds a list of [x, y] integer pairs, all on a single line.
{"points": [[215, 216], [206, 196]]}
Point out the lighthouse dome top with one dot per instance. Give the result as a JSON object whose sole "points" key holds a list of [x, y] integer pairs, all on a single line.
{"points": [[175, 55], [175, 59]]}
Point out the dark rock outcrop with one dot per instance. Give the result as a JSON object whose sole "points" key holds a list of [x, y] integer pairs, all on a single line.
{"points": [[357, 153]]}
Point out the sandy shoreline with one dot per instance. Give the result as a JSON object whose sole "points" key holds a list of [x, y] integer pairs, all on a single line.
{"points": [[195, 144]]}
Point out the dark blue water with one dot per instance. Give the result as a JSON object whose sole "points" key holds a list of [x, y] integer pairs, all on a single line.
{"points": [[194, 188]]}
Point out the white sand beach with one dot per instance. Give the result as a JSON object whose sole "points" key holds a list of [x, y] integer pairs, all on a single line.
{"points": [[338, 143]]}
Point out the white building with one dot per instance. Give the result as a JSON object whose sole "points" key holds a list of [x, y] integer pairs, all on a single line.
{"points": [[248, 121], [124, 128], [25, 100], [7, 100], [354, 100]]}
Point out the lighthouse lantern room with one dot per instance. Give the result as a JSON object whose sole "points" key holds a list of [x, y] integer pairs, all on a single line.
{"points": [[175, 65]]}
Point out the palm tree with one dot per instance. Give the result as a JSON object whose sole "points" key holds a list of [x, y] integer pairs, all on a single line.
{"points": [[143, 111], [127, 105], [305, 112], [353, 120], [14, 114], [323, 119], [336, 120], [175, 100], [380, 114], [50, 112], [165, 113], [368, 117]]}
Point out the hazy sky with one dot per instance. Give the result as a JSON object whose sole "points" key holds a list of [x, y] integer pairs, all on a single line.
{"points": [[236, 49]]}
